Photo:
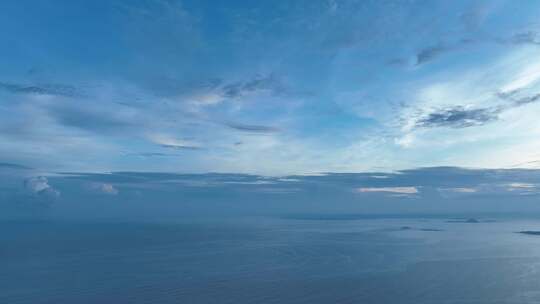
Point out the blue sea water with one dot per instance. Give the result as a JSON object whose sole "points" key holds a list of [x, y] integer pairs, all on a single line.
{"points": [[270, 260]]}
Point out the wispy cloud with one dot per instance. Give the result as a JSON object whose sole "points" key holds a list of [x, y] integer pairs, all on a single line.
{"points": [[458, 117], [169, 142], [14, 166], [521, 186], [181, 147], [91, 119], [399, 190], [259, 83], [526, 37], [518, 99], [430, 53], [150, 154], [457, 192], [251, 128], [460, 190], [45, 89]]}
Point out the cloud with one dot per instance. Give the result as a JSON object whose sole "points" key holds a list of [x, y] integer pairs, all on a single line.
{"points": [[251, 128], [523, 188], [36, 184], [454, 192], [169, 142], [520, 186], [527, 37], [528, 164], [433, 52], [527, 76], [149, 154], [458, 117], [460, 190], [91, 119], [430, 53], [398, 190], [45, 89], [181, 147], [527, 100], [39, 186], [259, 83], [105, 188], [13, 166], [516, 101]]}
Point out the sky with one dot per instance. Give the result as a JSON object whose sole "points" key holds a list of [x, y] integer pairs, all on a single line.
{"points": [[269, 89]]}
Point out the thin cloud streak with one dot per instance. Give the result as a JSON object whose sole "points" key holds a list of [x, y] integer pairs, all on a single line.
{"points": [[47, 89], [251, 128], [400, 190]]}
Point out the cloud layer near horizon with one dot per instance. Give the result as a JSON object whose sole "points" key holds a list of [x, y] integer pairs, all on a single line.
{"points": [[27, 191]]}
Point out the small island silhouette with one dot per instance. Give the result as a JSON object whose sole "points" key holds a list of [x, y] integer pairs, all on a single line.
{"points": [[469, 221], [529, 232]]}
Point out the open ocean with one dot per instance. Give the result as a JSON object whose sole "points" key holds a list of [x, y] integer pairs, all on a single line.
{"points": [[300, 259]]}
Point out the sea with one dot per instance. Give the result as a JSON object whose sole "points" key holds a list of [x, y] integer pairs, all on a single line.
{"points": [[271, 259]]}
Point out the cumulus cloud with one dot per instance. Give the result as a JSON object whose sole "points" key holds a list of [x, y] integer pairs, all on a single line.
{"points": [[39, 186], [104, 188]]}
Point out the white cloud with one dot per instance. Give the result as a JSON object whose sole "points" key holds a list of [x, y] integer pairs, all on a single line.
{"points": [[399, 190], [521, 185], [103, 188], [36, 184], [108, 189], [529, 75], [172, 142], [40, 186], [462, 190], [457, 191]]}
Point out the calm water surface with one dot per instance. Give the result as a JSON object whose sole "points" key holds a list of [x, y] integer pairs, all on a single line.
{"points": [[270, 260]]}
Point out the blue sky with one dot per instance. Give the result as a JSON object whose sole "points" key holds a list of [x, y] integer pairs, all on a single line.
{"points": [[276, 88]]}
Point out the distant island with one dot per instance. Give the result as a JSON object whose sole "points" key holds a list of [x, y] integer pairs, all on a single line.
{"points": [[404, 228], [470, 221], [529, 232]]}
